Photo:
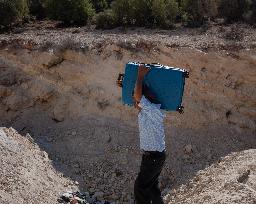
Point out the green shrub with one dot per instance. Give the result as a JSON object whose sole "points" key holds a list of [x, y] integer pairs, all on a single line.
{"points": [[12, 11], [37, 8], [172, 10], [159, 12], [123, 12], [249, 14], [234, 10], [148, 13], [196, 12], [106, 19], [164, 13], [99, 5], [142, 13], [70, 12], [253, 18]]}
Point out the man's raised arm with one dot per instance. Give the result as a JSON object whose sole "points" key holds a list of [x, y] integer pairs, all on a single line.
{"points": [[142, 71]]}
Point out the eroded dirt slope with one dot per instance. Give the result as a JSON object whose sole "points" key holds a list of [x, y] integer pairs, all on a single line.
{"points": [[64, 94], [231, 180], [27, 174]]}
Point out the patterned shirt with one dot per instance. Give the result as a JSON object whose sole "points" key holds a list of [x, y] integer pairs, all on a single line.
{"points": [[151, 126]]}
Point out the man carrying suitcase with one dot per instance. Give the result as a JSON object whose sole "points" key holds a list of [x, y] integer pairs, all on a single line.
{"points": [[152, 142]]}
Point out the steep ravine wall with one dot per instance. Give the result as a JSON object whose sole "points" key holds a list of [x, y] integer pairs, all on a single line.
{"points": [[68, 101]]}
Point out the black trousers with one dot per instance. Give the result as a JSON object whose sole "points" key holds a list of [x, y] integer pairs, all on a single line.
{"points": [[146, 190]]}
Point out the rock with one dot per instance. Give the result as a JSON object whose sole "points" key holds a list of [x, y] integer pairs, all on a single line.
{"points": [[76, 165], [58, 114], [50, 178], [99, 195], [244, 176], [108, 139], [49, 139], [76, 182], [77, 171], [73, 133], [44, 154], [54, 61], [188, 149], [74, 201], [67, 196], [103, 104], [3, 91], [203, 69], [9, 79], [28, 136], [241, 121], [40, 90], [24, 86], [18, 101]]}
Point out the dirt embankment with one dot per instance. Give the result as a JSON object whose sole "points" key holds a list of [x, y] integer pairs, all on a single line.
{"points": [[231, 180], [60, 87], [27, 175]]}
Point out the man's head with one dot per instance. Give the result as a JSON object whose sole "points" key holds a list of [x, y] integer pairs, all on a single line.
{"points": [[149, 94]]}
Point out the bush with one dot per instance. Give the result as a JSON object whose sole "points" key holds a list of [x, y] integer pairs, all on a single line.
{"points": [[70, 12], [12, 11], [234, 10], [142, 13], [172, 10], [253, 18], [164, 13], [196, 12], [106, 20], [156, 13], [99, 5], [37, 8], [123, 12], [249, 14]]}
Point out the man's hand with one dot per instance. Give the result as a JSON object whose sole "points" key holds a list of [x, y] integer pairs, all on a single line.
{"points": [[136, 105]]}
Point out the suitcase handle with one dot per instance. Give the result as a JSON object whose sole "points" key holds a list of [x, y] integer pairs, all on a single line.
{"points": [[156, 64], [120, 79]]}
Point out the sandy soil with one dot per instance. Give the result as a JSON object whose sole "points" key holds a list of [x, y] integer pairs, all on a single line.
{"points": [[59, 86], [231, 180], [27, 175]]}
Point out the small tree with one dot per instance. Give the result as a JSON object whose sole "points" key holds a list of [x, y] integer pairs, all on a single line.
{"points": [[195, 12], [106, 19], [249, 14], [142, 13], [12, 11], [159, 12], [37, 8], [253, 18], [99, 5], [234, 10], [70, 12], [123, 12], [164, 12], [172, 11]]}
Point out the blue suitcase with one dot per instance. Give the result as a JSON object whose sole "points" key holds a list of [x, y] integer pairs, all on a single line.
{"points": [[166, 83]]}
